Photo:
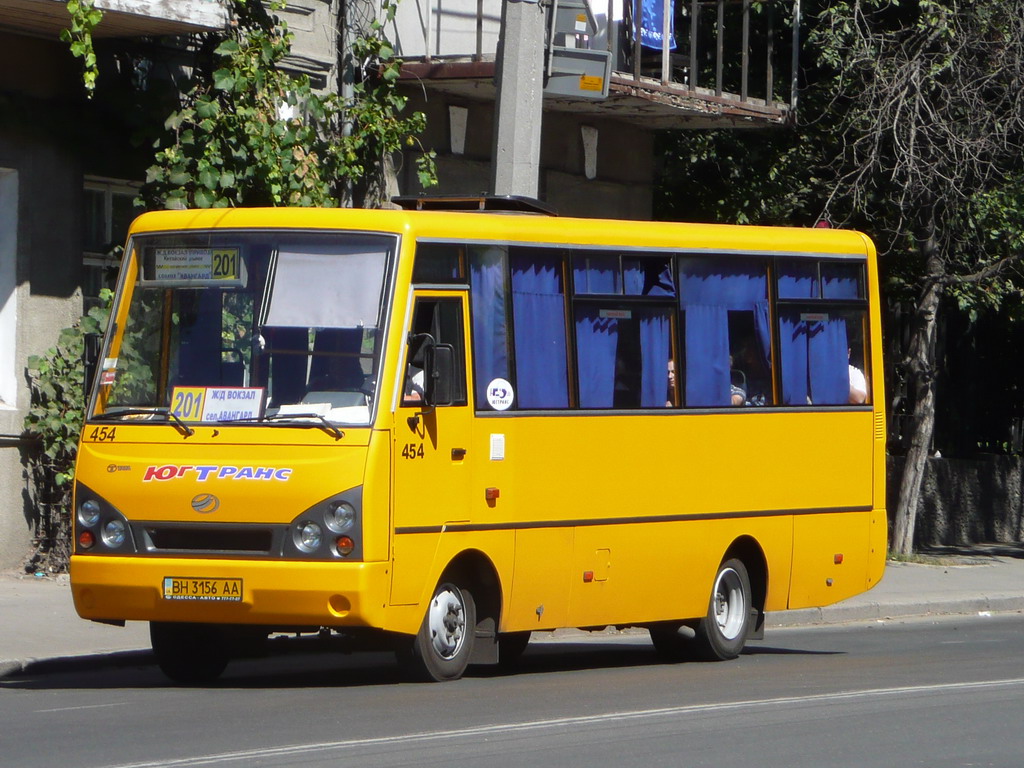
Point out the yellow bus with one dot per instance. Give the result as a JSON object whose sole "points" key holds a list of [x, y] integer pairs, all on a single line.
{"points": [[439, 431]]}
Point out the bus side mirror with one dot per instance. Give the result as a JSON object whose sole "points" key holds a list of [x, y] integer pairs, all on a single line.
{"points": [[92, 343], [439, 374]]}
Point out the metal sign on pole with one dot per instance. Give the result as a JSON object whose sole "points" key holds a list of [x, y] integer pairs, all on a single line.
{"points": [[573, 70]]}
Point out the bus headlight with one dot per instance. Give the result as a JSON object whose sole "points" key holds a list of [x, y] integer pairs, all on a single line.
{"points": [[340, 517], [89, 513], [310, 536], [331, 529], [114, 533]]}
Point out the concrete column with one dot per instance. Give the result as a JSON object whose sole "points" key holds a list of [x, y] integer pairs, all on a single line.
{"points": [[520, 76]]}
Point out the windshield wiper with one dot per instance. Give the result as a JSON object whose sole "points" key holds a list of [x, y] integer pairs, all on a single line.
{"points": [[175, 420], [321, 421]]}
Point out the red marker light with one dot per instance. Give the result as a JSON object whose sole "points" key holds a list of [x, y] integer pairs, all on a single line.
{"points": [[838, 559], [345, 545], [491, 494], [86, 540]]}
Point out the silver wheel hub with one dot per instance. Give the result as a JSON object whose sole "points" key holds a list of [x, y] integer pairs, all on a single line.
{"points": [[447, 622], [729, 604]]}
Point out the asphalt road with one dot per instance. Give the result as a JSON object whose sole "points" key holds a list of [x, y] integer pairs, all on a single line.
{"points": [[947, 692]]}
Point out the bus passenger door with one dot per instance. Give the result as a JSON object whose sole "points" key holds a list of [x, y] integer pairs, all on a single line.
{"points": [[431, 449]]}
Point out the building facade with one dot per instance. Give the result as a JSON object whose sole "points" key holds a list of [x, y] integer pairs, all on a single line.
{"points": [[70, 167]]}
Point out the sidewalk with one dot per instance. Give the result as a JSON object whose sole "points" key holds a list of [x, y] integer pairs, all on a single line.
{"points": [[40, 631]]}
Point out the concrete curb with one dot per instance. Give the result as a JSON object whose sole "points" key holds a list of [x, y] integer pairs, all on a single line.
{"points": [[77, 663], [873, 611]]}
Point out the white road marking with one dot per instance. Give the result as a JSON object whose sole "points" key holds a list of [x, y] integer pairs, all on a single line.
{"points": [[84, 706]]}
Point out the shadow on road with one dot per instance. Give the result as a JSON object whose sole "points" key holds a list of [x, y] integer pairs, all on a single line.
{"points": [[286, 668]]}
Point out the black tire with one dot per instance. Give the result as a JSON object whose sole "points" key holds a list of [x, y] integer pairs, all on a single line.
{"points": [[511, 646], [721, 634], [189, 654], [440, 651]]}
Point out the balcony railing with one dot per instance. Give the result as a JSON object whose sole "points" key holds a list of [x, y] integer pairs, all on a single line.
{"points": [[737, 50]]}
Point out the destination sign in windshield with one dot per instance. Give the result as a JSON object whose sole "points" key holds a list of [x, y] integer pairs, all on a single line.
{"points": [[215, 266]]}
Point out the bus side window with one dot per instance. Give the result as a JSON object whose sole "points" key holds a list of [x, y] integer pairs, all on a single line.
{"points": [[441, 319], [821, 341], [727, 339]]}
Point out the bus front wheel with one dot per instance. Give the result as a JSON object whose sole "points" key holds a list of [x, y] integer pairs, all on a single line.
{"points": [[722, 634], [189, 653], [440, 651]]}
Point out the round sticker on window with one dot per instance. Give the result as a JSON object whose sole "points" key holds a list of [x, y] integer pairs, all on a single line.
{"points": [[499, 394]]}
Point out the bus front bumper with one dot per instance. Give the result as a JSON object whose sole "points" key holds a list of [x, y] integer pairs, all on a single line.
{"points": [[275, 594]]}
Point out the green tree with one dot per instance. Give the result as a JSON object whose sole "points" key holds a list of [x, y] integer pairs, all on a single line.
{"points": [[929, 128], [54, 423], [252, 134], [912, 129]]}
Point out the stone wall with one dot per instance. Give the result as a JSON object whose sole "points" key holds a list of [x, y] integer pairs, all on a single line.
{"points": [[965, 501]]}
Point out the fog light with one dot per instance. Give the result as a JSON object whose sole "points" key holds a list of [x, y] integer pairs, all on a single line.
{"points": [[86, 540], [345, 546], [310, 537], [114, 534], [89, 513]]}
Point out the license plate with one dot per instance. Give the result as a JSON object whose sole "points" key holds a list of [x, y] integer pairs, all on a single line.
{"points": [[210, 590]]}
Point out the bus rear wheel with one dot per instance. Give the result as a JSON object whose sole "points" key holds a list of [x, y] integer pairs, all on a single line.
{"points": [[190, 654], [440, 651], [722, 634]]}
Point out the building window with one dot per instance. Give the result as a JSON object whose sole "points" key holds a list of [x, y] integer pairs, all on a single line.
{"points": [[109, 210]]}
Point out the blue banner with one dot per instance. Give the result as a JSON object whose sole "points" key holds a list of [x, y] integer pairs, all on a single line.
{"points": [[651, 24]]}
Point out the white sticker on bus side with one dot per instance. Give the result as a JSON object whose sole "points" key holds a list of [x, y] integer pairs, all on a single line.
{"points": [[497, 447], [500, 394]]}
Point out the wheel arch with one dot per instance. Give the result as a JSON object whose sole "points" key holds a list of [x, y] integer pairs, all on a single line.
{"points": [[474, 570]]}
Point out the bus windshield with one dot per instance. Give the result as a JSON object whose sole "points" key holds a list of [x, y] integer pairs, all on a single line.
{"points": [[262, 326]]}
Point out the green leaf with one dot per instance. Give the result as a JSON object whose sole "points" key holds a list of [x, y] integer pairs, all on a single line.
{"points": [[229, 46], [204, 199], [224, 80]]}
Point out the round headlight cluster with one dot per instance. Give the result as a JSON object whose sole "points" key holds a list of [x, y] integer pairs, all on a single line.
{"points": [[89, 513], [340, 517], [310, 536], [328, 530], [99, 526], [114, 533]]}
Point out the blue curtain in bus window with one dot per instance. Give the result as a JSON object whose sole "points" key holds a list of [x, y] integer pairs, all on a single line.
{"points": [[841, 281], [828, 361], [707, 356], [798, 280], [709, 289], [490, 327], [329, 372], [652, 14], [655, 353], [596, 344], [793, 333], [763, 328], [199, 338], [287, 371], [815, 369], [538, 312], [648, 277], [596, 273]]}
